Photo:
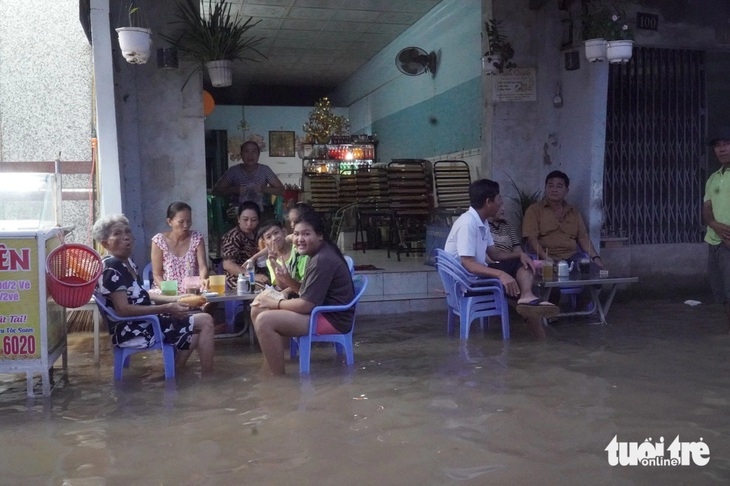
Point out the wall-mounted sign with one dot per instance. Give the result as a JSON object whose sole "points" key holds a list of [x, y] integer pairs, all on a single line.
{"points": [[647, 21], [572, 60], [515, 85]]}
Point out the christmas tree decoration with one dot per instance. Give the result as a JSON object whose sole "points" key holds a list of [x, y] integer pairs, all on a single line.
{"points": [[323, 123]]}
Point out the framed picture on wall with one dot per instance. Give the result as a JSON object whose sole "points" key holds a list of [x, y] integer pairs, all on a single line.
{"points": [[281, 144]]}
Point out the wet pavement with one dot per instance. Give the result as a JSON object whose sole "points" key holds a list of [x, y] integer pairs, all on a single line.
{"points": [[418, 408]]}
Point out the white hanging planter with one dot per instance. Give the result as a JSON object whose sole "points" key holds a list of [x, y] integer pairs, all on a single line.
{"points": [[619, 51], [595, 50], [488, 64], [220, 73], [135, 43]]}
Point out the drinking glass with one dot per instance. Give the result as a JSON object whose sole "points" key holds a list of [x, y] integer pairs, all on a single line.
{"points": [[218, 284], [584, 265], [547, 270], [169, 287]]}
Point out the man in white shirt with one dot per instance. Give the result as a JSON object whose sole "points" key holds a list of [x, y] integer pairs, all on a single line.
{"points": [[471, 241]]}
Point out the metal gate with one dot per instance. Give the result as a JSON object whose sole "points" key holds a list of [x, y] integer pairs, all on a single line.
{"points": [[655, 153]]}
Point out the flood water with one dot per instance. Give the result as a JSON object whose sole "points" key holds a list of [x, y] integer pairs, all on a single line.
{"points": [[418, 408]]}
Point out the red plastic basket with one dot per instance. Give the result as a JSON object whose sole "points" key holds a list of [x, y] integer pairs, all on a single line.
{"points": [[71, 274]]}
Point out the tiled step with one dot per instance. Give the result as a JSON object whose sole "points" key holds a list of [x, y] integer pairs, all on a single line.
{"points": [[402, 292]]}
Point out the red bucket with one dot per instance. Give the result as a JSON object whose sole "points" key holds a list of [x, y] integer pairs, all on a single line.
{"points": [[71, 274]]}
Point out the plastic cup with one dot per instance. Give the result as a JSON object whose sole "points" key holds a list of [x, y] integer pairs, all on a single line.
{"points": [[547, 270], [192, 285], [169, 287], [584, 265], [217, 284]]}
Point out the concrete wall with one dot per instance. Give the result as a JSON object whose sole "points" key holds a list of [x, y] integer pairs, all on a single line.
{"points": [[528, 139], [46, 92], [161, 137], [422, 116]]}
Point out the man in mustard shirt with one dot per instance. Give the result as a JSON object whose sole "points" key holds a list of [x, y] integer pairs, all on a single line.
{"points": [[554, 228], [716, 215]]}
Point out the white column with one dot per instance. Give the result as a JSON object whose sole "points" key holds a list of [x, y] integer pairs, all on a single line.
{"points": [[110, 197]]}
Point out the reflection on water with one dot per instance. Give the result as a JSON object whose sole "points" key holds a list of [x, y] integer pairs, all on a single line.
{"points": [[418, 408]]}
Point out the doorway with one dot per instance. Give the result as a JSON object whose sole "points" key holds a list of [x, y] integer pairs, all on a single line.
{"points": [[655, 162]]}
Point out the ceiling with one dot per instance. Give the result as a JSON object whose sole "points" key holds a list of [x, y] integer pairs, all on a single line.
{"points": [[314, 45]]}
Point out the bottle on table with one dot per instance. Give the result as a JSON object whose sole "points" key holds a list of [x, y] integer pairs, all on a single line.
{"points": [[242, 284], [251, 276]]}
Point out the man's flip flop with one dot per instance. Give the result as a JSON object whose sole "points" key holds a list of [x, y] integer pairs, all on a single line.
{"points": [[537, 308]]}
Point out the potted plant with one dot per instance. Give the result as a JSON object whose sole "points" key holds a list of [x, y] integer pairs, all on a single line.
{"points": [[524, 198], [499, 51], [135, 41], [215, 37], [607, 34], [323, 123], [620, 38], [595, 20]]}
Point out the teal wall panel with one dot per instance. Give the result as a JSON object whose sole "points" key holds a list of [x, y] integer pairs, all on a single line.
{"points": [[448, 122]]}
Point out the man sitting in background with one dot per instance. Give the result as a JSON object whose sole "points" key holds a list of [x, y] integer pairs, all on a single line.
{"points": [[470, 241], [554, 228]]}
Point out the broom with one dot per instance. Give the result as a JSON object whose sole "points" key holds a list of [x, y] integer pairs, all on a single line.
{"points": [[81, 321]]}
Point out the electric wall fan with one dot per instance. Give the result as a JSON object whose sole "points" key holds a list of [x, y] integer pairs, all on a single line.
{"points": [[414, 61]]}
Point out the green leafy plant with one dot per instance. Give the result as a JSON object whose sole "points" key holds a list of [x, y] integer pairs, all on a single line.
{"points": [[215, 34], [524, 198], [500, 50], [134, 15], [618, 28], [599, 21]]}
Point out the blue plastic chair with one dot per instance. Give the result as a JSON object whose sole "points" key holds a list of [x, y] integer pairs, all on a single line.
{"points": [[350, 265], [469, 296], [122, 355], [343, 342], [147, 278]]}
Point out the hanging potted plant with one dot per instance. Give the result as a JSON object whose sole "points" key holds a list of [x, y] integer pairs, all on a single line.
{"points": [[499, 51], [215, 37], [595, 21], [135, 40], [620, 38]]}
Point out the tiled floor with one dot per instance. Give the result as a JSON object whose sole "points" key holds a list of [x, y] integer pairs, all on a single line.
{"points": [[379, 258]]}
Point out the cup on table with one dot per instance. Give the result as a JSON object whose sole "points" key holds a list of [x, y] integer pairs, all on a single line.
{"points": [[547, 270], [192, 285], [217, 284], [584, 265], [169, 287]]}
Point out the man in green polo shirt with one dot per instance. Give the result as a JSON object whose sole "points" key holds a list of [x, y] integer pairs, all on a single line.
{"points": [[716, 215]]}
